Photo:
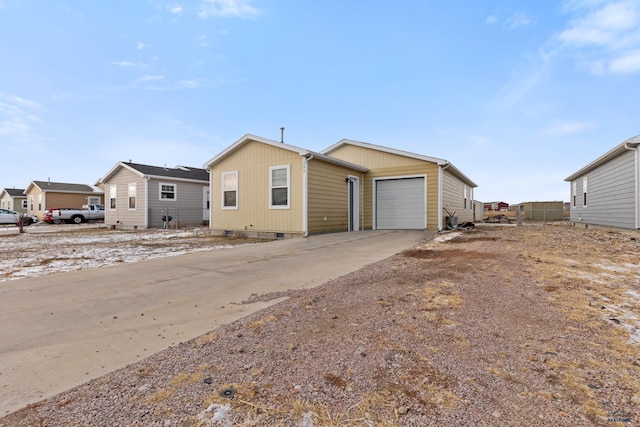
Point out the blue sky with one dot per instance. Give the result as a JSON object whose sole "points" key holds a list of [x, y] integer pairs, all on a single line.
{"points": [[518, 95]]}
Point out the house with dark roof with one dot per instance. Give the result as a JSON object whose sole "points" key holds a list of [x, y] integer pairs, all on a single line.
{"points": [[13, 199], [606, 192], [145, 196], [43, 195]]}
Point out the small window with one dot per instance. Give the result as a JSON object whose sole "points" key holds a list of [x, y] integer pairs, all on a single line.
{"points": [[24, 204], [31, 203], [574, 191], [584, 191], [279, 187], [465, 197], [230, 190], [39, 202], [132, 196], [168, 191], [113, 197]]}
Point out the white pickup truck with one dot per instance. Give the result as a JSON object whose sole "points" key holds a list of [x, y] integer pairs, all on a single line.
{"points": [[78, 216]]}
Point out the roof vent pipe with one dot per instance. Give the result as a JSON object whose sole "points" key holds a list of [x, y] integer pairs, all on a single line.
{"points": [[282, 135]]}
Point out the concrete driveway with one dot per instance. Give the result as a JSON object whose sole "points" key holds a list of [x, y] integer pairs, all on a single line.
{"points": [[62, 330]]}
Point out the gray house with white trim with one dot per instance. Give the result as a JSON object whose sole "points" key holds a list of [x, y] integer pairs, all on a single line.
{"points": [[606, 192], [13, 199], [145, 196]]}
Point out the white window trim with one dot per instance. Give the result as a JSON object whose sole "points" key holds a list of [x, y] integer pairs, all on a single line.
{"points": [[135, 195], [584, 192], [574, 194], [113, 194], [288, 205], [175, 192], [237, 193]]}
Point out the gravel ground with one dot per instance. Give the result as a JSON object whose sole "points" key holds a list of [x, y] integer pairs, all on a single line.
{"points": [[496, 326]]}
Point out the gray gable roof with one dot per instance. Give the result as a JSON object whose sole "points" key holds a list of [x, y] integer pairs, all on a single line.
{"points": [[181, 172], [64, 187], [15, 192]]}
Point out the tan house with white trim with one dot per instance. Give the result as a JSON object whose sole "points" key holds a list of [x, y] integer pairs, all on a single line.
{"points": [[43, 195], [261, 187]]}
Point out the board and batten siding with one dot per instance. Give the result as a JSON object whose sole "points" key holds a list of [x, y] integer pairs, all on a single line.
{"points": [[252, 161], [186, 210], [328, 196], [385, 165], [453, 198], [611, 194], [122, 216]]}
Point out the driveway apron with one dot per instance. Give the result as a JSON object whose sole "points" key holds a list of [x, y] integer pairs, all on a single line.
{"points": [[61, 330]]}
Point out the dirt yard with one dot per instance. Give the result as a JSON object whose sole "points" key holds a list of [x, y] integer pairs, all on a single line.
{"points": [[495, 326]]}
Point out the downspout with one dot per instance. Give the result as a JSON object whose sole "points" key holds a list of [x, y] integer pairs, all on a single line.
{"points": [[634, 147], [146, 202], [305, 193], [440, 185]]}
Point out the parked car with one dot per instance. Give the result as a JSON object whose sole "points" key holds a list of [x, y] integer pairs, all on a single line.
{"points": [[11, 217]]}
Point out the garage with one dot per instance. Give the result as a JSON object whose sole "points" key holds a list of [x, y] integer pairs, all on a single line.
{"points": [[400, 203]]}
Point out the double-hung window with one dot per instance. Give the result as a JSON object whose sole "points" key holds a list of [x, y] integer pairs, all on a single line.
{"points": [[168, 191], [113, 197], [230, 190], [279, 188], [584, 191], [574, 192], [132, 196]]}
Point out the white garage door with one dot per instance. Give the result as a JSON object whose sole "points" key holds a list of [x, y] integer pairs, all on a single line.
{"points": [[400, 204]]}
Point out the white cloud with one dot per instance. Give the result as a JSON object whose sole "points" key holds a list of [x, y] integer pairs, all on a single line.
{"points": [[188, 84], [175, 9], [566, 128], [604, 35], [524, 80], [151, 78], [224, 8], [517, 20], [17, 118], [491, 20], [627, 63], [141, 46], [123, 63]]}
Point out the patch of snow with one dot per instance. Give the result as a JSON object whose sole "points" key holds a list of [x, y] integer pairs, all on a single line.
{"points": [[37, 254], [447, 236]]}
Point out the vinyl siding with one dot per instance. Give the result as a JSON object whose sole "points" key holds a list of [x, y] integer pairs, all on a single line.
{"points": [[186, 210], [12, 203], [328, 197], [610, 194], [252, 161], [122, 216], [381, 165], [453, 198]]}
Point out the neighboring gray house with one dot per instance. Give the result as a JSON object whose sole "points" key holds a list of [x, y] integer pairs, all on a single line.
{"points": [[143, 196], [14, 199], [606, 191]]}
